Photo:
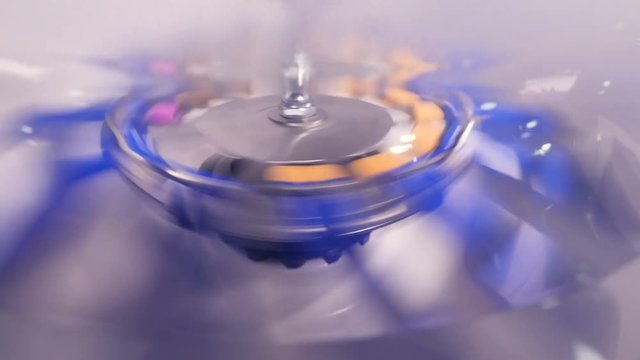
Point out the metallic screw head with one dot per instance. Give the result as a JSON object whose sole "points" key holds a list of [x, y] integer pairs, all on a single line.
{"points": [[296, 104]]}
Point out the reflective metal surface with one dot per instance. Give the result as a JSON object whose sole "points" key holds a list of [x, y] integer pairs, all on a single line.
{"points": [[296, 105], [242, 128]]}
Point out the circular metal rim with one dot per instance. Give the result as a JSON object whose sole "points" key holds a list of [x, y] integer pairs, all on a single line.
{"points": [[464, 114]]}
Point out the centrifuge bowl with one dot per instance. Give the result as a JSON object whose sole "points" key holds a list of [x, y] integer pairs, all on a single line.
{"points": [[531, 254]]}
